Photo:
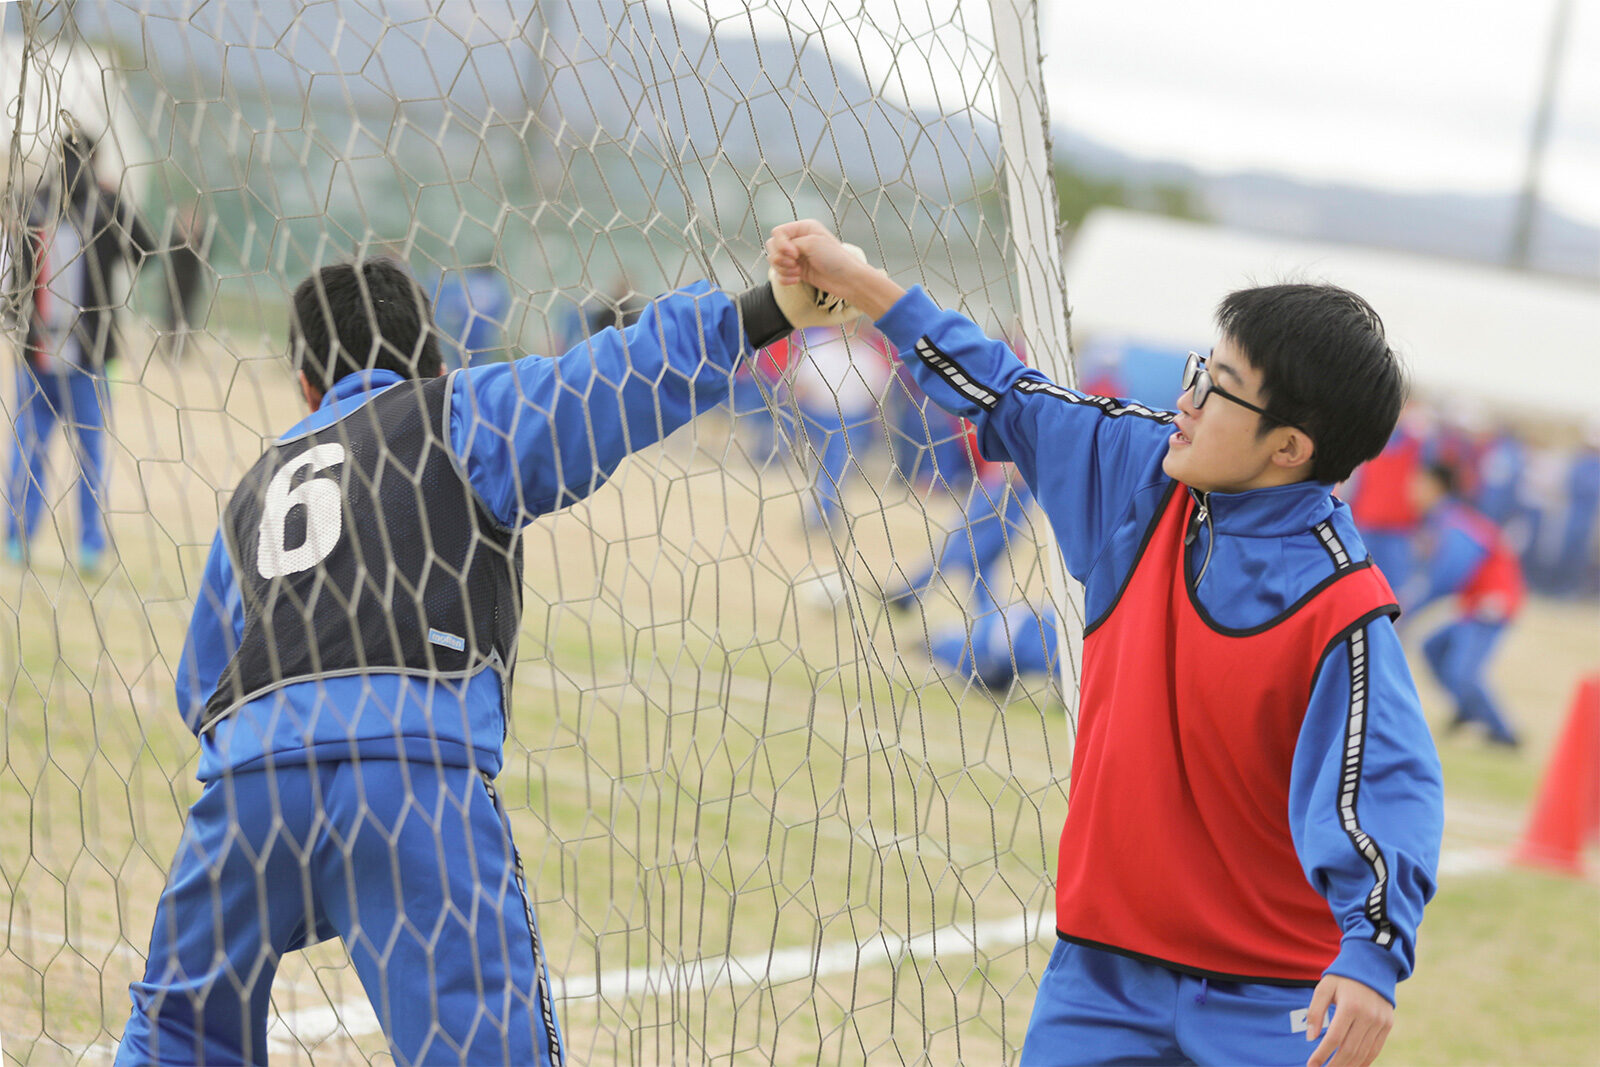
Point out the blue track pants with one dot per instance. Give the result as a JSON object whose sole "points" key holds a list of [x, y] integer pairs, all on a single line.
{"points": [[78, 400], [1459, 653], [410, 863], [1099, 1007]]}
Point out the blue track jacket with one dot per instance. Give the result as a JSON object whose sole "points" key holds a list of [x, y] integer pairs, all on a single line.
{"points": [[1095, 467], [533, 436], [1456, 551]]}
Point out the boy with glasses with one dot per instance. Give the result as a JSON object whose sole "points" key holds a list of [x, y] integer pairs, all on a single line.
{"points": [[1256, 805]]}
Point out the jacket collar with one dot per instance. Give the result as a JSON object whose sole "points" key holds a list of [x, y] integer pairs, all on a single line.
{"points": [[1273, 512], [367, 381]]}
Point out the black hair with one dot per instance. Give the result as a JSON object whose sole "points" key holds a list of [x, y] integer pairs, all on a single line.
{"points": [[366, 315], [1325, 366], [1447, 477]]}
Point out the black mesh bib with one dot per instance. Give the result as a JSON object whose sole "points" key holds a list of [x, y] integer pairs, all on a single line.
{"points": [[361, 547]]}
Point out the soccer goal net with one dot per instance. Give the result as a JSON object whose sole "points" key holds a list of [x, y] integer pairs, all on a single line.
{"points": [[785, 760]]}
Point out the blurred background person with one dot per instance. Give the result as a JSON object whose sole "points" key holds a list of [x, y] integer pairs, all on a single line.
{"points": [[189, 279], [837, 379], [79, 236], [1455, 436], [1463, 555], [1577, 564], [1502, 462], [758, 388], [1382, 502], [617, 305], [993, 520], [620, 307], [1005, 643], [1542, 497], [999, 638], [927, 443], [471, 306]]}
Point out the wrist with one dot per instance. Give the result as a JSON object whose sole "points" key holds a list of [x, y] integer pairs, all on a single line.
{"points": [[1360, 960], [763, 320], [876, 294]]}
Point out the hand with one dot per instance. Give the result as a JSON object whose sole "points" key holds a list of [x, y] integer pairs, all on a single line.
{"points": [[806, 253], [804, 304], [1360, 1026]]}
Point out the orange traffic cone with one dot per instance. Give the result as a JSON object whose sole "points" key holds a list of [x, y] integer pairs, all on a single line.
{"points": [[1566, 817]]}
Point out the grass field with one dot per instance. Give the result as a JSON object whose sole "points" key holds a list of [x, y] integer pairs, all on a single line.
{"points": [[757, 828]]}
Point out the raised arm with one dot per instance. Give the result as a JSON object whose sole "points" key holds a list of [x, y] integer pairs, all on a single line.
{"points": [[1456, 555], [1084, 457], [537, 434]]}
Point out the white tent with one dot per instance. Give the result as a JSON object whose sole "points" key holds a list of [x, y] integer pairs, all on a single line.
{"points": [[1512, 343], [67, 86]]}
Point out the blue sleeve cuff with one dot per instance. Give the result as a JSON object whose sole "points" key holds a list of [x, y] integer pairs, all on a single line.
{"points": [[1373, 966], [906, 322]]}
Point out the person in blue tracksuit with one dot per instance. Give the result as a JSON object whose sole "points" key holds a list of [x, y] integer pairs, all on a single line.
{"points": [[1256, 805], [928, 445], [997, 644], [349, 661], [471, 306], [994, 517], [1502, 465], [79, 236], [1464, 556], [1000, 639], [1577, 571]]}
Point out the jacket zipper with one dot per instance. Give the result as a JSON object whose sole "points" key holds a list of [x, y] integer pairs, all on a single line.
{"points": [[1202, 516]]}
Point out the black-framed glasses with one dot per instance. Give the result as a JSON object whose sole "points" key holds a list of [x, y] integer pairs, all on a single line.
{"points": [[1197, 381]]}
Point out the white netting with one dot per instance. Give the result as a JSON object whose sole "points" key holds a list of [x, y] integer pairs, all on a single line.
{"points": [[761, 819]]}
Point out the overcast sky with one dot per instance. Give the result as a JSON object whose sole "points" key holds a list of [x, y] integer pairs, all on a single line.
{"points": [[1410, 94], [1401, 94]]}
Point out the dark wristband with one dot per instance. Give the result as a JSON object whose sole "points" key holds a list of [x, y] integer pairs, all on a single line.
{"points": [[764, 321]]}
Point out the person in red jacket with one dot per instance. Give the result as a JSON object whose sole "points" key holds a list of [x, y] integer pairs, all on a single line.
{"points": [[1462, 554], [1380, 502]]}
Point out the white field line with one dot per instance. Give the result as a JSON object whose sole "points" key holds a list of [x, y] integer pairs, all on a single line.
{"points": [[1470, 860], [82, 1055], [773, 967], [777, 966], [1467, 818], [310, 1026]]}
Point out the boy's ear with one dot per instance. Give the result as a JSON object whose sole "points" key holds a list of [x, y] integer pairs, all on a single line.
{"points": [[1297, 449], [312, 395]]}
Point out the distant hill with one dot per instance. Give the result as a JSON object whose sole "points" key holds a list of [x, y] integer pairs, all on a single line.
{"points": [[1454, 225], [674, 97]]}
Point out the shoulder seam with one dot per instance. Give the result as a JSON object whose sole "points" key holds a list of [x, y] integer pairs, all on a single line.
{"points": [[459, 462], [1336, 550]]}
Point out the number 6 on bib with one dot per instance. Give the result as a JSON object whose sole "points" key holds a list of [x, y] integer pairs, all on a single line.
{"points": [[324, 514]]}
